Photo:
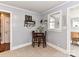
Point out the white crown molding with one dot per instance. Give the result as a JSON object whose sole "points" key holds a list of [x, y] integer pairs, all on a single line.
{"points": [[55, 7], [30, 10], [26, 10], [12, 6]]}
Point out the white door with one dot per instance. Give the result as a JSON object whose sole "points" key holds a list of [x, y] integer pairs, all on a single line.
{"points": [[5, 25]]}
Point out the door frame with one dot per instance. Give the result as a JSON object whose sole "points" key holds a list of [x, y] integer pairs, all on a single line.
{"points": [[69, 28], [10, 26]]}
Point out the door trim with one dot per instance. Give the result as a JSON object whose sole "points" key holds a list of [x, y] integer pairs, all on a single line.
{"points": [[10, 26], [69, 28]]}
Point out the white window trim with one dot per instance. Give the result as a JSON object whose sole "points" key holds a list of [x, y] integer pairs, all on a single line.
{"points": [[60, 22]]}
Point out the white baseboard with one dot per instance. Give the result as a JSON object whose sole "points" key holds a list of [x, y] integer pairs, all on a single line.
{"points": [[52, 45], [20, 46], [58, 48]]}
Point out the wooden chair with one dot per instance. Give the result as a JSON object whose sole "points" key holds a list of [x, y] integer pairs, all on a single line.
{"points": [[75, 37], [45, 38], [0, 41], [38, 38], [0, 38]]}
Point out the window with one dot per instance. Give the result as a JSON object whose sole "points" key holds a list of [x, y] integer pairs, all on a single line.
{"points": [[55, 21], [52, 23]]}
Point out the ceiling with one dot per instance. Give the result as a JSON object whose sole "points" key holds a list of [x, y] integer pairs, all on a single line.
{"points": [[37, 6]]}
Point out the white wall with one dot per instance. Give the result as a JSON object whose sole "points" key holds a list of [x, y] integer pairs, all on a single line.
{"points": [[20, 34], [59, 38]]}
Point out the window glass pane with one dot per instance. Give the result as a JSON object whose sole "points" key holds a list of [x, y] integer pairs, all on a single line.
{"points": [[75, 24], [52, 19], [52, 25]]}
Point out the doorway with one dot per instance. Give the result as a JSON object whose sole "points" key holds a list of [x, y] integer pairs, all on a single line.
{"points": [[73, 30], [75, 43], [4, 31]]}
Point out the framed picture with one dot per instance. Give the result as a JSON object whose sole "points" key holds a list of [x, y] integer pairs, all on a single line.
{"points": [[28, 18]]}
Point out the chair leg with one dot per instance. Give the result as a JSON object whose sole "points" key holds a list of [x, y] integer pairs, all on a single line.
{"points": [[43, 44], [38, 42], [33, 44]]}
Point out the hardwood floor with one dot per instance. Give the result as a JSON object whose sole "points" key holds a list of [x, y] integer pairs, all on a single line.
{"points": [[4, 47]]}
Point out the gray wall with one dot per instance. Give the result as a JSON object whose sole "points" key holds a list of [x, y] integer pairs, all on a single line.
{"points": [[60, 38], [20, 34]]}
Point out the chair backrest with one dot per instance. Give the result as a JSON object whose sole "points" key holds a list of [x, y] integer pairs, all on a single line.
{"points": [[75, 34]]}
